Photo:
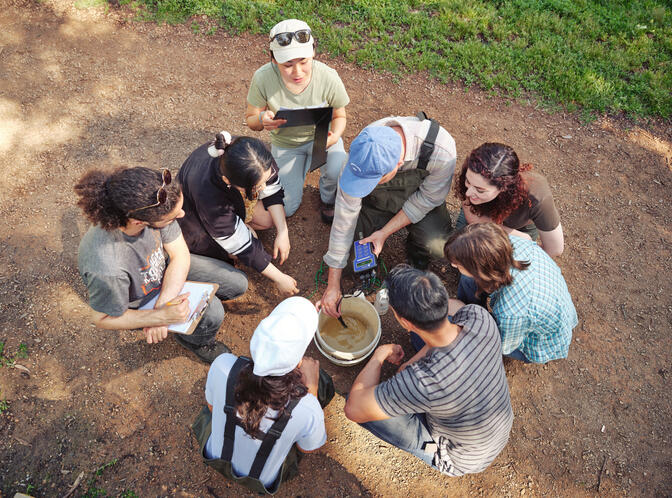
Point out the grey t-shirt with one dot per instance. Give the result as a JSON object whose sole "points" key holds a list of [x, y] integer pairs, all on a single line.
{"points": [[120, 271], [462, 390]]}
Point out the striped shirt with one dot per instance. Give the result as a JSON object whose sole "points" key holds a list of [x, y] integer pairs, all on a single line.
{"points": [[535, 313], [462, 390], [432, 193]]}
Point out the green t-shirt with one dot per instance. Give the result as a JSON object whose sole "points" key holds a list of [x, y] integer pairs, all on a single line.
{"points": [[268, 90]]}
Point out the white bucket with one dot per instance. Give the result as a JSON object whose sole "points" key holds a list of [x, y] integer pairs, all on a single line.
{"points": [[351, 308]]}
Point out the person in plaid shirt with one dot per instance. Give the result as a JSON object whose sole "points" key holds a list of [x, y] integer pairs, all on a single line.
{"points": [[529, 298]]}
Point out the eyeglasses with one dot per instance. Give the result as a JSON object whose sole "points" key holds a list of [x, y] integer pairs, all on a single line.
{"points": [[284, 39], [161, 194]]}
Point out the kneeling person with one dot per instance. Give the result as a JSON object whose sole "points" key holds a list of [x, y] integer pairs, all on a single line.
{"points": [[122, 257], [391, 180], [277, 391], [449, 404]]}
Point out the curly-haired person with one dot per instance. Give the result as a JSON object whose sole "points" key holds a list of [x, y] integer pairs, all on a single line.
{"points": [[122, 258], [494, 186]]}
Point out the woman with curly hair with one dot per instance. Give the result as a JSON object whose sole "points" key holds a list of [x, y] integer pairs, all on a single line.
{"points": [[260, 408], [494, 186]]}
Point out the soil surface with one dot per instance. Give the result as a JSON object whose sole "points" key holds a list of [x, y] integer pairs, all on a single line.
{"points": [[86, 88]]}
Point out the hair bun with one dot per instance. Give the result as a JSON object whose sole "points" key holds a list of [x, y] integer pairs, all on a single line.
{"points": [[222, 140]]}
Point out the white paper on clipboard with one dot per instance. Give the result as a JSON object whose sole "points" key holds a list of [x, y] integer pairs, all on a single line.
{"points": [[199, 297]]}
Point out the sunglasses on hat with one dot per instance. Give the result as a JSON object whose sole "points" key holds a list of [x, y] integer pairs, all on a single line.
{"points": [[161, 194], [284, 39]]}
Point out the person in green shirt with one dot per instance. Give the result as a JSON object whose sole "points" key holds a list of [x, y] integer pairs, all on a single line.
{"points": [[293, 79]]}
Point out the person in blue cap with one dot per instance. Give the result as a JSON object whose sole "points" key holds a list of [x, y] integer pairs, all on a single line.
{"points": [[398, 174]]}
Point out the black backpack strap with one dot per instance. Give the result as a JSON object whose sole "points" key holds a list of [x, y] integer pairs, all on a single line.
{"points": [[272, 435], [427, 147], [230, 408]]}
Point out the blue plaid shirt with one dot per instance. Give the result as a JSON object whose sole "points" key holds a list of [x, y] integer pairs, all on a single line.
{"points": [[535, 313]]}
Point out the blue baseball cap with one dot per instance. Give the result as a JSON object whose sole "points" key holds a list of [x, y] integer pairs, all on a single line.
{"points": [[373, 153]]}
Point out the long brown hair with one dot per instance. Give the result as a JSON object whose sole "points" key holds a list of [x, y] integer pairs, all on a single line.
{"points": [[485, 251], [256, 394], [499, 164]]}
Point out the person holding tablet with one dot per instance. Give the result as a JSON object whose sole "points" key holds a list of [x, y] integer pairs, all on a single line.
{"points": [[294, 79]]}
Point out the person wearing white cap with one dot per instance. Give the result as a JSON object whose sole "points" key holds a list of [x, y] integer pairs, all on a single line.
{"points": [[257, 409], [293, 79]]}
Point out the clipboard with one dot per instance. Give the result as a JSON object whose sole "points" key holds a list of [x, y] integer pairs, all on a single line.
{"points": [[320, 117], [200, 294]]}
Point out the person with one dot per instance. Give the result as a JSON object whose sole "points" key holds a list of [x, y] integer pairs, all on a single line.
{"points": [[449, 404], [294, 79], [494, 186], [249, 400], [122, 258], [222, 183], [385, 186], [528, 295]]}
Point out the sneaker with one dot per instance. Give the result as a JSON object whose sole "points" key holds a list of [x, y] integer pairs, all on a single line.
{"points": [[327, 212], [205, 352]]}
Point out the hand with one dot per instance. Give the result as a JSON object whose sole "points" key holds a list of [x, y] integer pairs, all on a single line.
{"points": [[281, 246], [310, 373], [286, 285], [330, 302], [331, 139], [270, 123], [378, 239], [176, 310], [390, 352], [154, 335]]}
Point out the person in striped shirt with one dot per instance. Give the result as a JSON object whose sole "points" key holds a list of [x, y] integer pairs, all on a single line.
{"points": [[448, 405], [528, 295]]}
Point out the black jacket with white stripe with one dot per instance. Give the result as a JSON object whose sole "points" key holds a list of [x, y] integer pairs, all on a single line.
{"points": [[214, 224]]}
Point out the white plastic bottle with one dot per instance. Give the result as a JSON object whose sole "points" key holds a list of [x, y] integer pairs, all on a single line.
{"points": [[382, 302]]}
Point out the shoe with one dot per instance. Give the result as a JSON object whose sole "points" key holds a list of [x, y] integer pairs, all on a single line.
{"points": [[327, 212], [205, 352]]}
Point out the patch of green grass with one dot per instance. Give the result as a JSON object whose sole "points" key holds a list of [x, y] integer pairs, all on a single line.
{"points": [[22, 353], [87, 4], [596, 55], [4, 405], [93, 491]]}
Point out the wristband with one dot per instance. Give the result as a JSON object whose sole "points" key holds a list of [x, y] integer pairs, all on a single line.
{"points": [[259, 116]]}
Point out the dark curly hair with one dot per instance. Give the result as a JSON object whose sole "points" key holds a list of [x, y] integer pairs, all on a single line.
{"points": [[244, 162], [256, 394], [499, 164], [105, 198], [485, 251]]}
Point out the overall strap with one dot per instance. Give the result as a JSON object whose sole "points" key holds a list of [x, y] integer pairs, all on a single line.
{"points": [[269, 440], [230, 409], [428, 145]]}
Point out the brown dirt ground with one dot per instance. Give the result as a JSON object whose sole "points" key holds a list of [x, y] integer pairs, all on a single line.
{"points": [[85, 88]]}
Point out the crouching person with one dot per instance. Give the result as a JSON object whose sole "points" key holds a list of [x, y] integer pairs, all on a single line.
{"points": [[449, 404], [258, 408]]}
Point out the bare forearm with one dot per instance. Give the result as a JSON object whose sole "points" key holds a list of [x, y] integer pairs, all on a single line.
{"points": [[398, 221], [338, 126], [369, 377], [277, 212], [131, 319], [173, 279], [334, 278], [253, 121]]}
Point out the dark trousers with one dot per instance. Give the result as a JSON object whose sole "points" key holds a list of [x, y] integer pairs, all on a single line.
{"points": [[427, 237]]}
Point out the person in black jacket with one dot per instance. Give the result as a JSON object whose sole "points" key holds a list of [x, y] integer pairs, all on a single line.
{"points": [[222, 183]]}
